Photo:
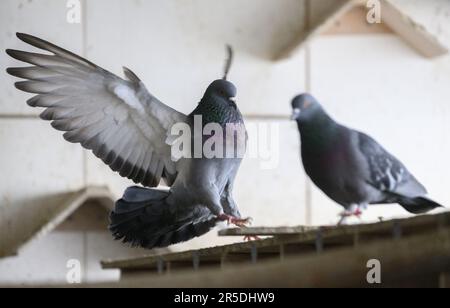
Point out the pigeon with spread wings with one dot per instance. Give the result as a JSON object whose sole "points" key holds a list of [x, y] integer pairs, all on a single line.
{"points": [[129, 130]]}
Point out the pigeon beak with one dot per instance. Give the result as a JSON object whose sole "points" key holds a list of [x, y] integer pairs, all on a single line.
{"points": [[233, 102], [295, 113]]}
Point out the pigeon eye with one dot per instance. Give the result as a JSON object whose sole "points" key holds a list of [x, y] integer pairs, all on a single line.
{"points": [[306, 104]]}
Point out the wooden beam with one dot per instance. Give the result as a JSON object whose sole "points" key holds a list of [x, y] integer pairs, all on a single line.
{"points": [[305, 242], [402, 262], [411, 32], [323, 23], [266, 231], [72, 201], [354, 22], [444, 280]]}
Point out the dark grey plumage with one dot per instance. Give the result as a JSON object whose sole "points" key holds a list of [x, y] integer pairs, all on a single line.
{"points": [[350, 167], [129, 130]]}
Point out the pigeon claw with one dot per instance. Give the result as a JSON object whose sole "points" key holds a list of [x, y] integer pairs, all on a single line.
{"points": [[349, 213], [239, 222], [346, 214], [242, 222], [250, 238]]}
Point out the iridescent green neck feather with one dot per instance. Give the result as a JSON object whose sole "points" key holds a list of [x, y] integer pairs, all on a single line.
{"points": [[215, 109]]}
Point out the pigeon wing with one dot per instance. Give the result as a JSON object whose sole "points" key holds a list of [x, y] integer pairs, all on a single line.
{"points": [[387, 173], [119, 120]]}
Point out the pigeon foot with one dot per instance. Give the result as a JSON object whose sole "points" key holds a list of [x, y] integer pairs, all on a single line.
{"points": [[356, 212], [250, 238], [239, 222]]}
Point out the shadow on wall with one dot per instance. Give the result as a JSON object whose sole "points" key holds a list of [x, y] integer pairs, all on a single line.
{"points": [[76, 244], [262, 28], [71, 253], [33, 212], [42, 214]]}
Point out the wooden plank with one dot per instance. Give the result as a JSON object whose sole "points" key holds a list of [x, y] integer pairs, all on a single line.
{"points": [[331, 236], [72, 201], [385, 226], [149, 262], [411, 32], [266, 231], [444, 280], [403, 262], [321, 25], [355, 22]]}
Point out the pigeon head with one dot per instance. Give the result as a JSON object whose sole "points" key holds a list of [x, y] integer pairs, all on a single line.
{"points": [[304, 106], [223, 90], [218, 104]]}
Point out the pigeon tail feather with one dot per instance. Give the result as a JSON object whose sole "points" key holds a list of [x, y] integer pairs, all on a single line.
{"points": [[419, 205], [144, 219]]}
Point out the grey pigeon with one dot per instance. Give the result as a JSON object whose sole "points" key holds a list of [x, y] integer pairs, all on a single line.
{"points": [[350, 167], [128, 129]]}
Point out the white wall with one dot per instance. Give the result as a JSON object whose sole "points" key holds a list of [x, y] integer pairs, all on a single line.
{"points": [[45, 260], [375, 83], [82, 237]]}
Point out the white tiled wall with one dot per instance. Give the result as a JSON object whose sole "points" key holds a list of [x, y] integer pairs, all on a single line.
{"points": [[44, 18], [178, 47], [375, 83], [45, 260], [36, 165], [38, 266]]}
